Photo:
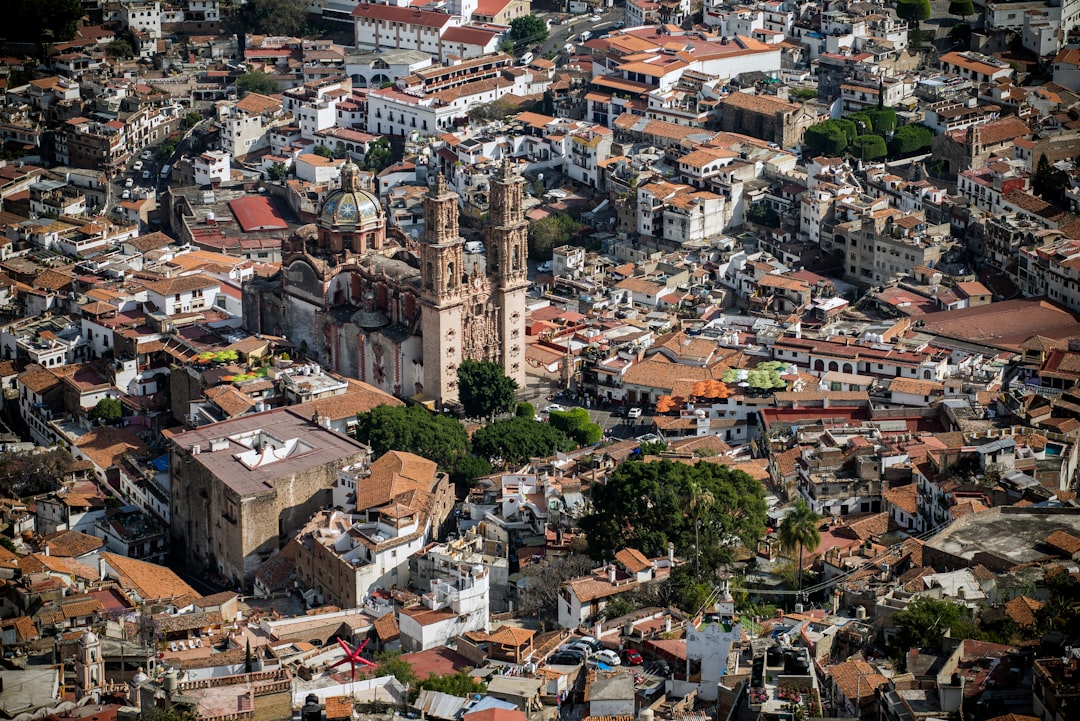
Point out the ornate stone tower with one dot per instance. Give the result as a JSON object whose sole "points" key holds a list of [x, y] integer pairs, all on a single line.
{"points": [[508, 253], [442, 277], [89, 666]]}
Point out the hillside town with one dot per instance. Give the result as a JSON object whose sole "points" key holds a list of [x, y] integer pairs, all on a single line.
{"points": [[522, 360]]}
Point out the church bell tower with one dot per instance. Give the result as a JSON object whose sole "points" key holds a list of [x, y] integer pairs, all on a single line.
{"points": [[508, 255], [441, 294]]}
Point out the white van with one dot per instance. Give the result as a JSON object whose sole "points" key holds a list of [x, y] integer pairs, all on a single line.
{"points": [[527, 58], [585, 35], [474, 246]]}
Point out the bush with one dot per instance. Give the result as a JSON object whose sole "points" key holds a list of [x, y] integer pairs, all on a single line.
{"points": [[963, 8], [863, 124], [913, 10], [525, 410]]}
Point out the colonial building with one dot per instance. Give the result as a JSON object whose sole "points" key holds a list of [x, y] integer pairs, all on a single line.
{"points": [[397, 312]]}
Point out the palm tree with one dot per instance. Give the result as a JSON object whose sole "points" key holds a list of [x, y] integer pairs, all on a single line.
{"points": [[799, 530], [700, 499]]}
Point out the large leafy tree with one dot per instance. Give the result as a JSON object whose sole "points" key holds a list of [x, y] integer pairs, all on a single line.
{"points": [[699, 508], [33, 472], [577, 424], [516, 440], [910, 139], [277, 17], [963, 8], [257, 82], [413, 429], [484, 390], [107, 410], [924, 622], [914, 11], [549, 233], [528, 29], [799, 531], [52, 20]]}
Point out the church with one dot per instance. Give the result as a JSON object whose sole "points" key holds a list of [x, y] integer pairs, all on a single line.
{"points": [[367, 301]]}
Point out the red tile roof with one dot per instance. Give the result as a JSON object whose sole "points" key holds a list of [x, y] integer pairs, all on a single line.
{"points": [[256, 212]]}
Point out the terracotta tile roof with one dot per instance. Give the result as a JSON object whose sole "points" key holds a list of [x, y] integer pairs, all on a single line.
{"points": [[71, 544], [857, 680], [256, 104], [149, 580], [392, 475], [80, 607], [386, 627], [765, 104], [361, 397], [182, 284], [40, 563], [106, 445], [230, 400], [511, 636], [1022, 611], [905, 497], [1063, 541], [633, 560], [38, 379], [25, 630]]}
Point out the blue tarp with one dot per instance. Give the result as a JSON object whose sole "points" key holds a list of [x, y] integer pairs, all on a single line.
{"points": [[161, 463]]}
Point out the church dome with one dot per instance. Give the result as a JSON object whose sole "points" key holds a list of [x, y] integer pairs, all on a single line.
{"points": [[351, 206]]}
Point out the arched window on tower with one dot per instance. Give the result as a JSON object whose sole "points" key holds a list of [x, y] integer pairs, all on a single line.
{"points": [[430, 276], [517, 258], [451, 281]]}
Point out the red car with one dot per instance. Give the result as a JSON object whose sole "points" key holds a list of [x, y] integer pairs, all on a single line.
{"points": [[631, 657]]}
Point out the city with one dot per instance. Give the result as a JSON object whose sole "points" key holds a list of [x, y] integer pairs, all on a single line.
{"points": [[522, 360]]}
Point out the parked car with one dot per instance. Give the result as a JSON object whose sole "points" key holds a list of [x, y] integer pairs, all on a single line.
{"points": [[126, 195], [578, 647], [147, 154], [594, 18], [634, 413], [609, 657], [563, 658], [129, 182], [632, 657], [544, 267], [146, 175], [591, 643], [137, 166], [553, 407]]}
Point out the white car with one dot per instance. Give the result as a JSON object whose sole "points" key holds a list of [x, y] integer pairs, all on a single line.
{"points": [[129, 182], [594, 18], [553, 407], [146, 175], [147, 154], [568, 48], [137, 166], [545, 267], [609, 657], [126, 195], [633, 413]]}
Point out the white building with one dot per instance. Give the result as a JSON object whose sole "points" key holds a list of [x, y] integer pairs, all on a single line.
{"points": [[183, 294], [317, 169], [142, 17], [710, 643], [392, 112], [456, 604], [213, 166]]}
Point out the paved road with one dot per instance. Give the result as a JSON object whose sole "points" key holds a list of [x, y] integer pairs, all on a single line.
{"points": [[543, 392], [575, 24]]}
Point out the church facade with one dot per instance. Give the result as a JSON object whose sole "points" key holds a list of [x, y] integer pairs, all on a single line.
{"points": [[368, 302]]}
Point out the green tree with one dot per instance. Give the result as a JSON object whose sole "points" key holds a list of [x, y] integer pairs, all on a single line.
{"points": [[378, 155], [803, 93], [192, 119], [45, 20], [528, 30], [468, 469], [827, 138], [484, 390], [924, 622], [413, 429], [390, 663], [647, 505], [863, 124], [763, 214], [33, 472], [963, 8], [257, 82], [516, 440], [577, 424], [525, 410], [914, 11], [107, 410], [277, 17], [798, 531], [910, 139], [120, 48], [7, 543], [460, 684], [323, 151], [869, 147], [549, 233], [884, 119], [278, 171]]}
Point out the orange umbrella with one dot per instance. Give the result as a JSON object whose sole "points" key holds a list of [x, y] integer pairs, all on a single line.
{"points": [[664, 404], [698, 390], [713, 389]]}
